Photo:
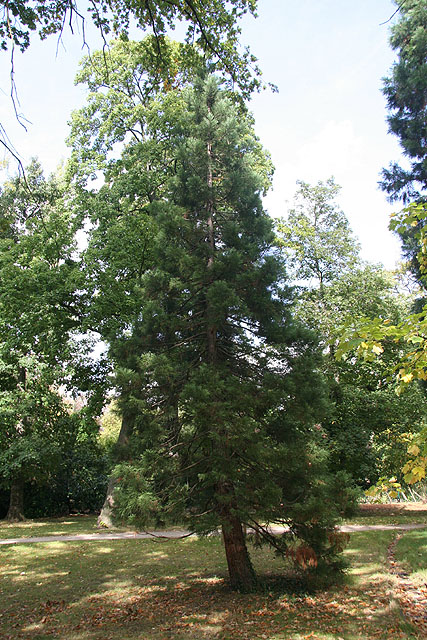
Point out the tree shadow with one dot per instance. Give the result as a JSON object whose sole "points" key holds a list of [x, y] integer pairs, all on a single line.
{"points": [[175, 590]]}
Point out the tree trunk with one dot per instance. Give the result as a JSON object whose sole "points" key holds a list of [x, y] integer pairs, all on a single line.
{"points": [[16, 505], [240, 570], [105, 518]]}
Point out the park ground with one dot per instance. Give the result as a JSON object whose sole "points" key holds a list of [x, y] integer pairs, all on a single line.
{"points": [[177, 590]]}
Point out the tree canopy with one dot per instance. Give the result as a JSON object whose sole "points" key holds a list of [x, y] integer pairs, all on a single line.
{"points": [[316, 234], [212, 26]]}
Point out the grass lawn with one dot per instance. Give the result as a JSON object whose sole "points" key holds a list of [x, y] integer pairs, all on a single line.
{"points": [[48, 527], [400, 513], [411, 553], [176, 590]]}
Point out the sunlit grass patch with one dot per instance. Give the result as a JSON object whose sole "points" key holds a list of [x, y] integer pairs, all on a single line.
{"points": [[48, 527]]}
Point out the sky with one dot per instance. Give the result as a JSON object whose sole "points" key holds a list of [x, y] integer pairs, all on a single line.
{"points": [[327, 58]]}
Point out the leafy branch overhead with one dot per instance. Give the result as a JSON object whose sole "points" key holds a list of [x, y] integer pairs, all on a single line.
{"points": [[212, 25], [366, 337]]}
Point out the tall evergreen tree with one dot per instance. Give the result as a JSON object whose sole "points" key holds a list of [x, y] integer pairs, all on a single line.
{"points": [[406, 92], [228, 391]]}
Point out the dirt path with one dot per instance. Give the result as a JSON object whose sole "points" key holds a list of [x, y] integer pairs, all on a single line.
{"points": [[177, 534]]}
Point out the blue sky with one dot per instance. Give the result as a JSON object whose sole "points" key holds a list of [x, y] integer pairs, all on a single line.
{"points": [[329, 118]]}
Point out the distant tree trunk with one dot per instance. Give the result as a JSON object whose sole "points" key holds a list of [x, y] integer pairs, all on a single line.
{"points": [[16, 505], [105, 517]]}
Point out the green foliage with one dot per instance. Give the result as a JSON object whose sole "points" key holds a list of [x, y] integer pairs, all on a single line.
{"points": [[39, 276], [370, 429], [316, 235], [222, 381], [109, 427], [385, 486], [415, 467], [76, 485], [366, 421], [405, 90], [123, 83], [366, 337], [405, 93], [41, 302], [212, 26]]}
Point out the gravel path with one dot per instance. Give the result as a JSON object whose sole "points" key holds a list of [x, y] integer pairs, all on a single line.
{"points": [[176, 534]]}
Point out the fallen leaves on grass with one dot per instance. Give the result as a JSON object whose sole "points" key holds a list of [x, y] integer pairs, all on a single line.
{"points": [[412, 599]]}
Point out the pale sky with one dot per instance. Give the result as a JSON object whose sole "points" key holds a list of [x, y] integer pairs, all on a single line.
{"points": [[329, 118]]}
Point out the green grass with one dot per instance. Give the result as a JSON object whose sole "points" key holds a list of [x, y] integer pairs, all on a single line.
{"points": [[399, 518], [50, 526], [87, 524], [177, 590], [411, 552]]}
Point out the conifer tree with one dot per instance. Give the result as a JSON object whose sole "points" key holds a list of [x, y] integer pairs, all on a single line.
{"points": [[228, 391], [405, 90]]}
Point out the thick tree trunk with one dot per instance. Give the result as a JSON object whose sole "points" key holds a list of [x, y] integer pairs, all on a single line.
{"points": [[240, 570], [16, 505], [105, 518]]}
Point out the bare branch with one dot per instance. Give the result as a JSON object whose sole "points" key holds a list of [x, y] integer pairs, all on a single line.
{"points": [[392, 16], [14, 155]]}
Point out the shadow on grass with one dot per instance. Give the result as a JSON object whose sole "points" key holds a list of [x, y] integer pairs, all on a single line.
{"points": [[178, 590]]}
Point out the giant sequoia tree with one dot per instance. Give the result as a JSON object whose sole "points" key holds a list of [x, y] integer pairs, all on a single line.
{"points": [[406, 93], [220, 381], [405, 90]]}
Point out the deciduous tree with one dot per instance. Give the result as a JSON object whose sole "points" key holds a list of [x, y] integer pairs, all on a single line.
{"points": [[39, 310], [367, 421]]}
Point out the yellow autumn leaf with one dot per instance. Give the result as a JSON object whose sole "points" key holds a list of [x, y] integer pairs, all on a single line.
{"points": [[419, 472], [413, 450], [377, 349]]}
